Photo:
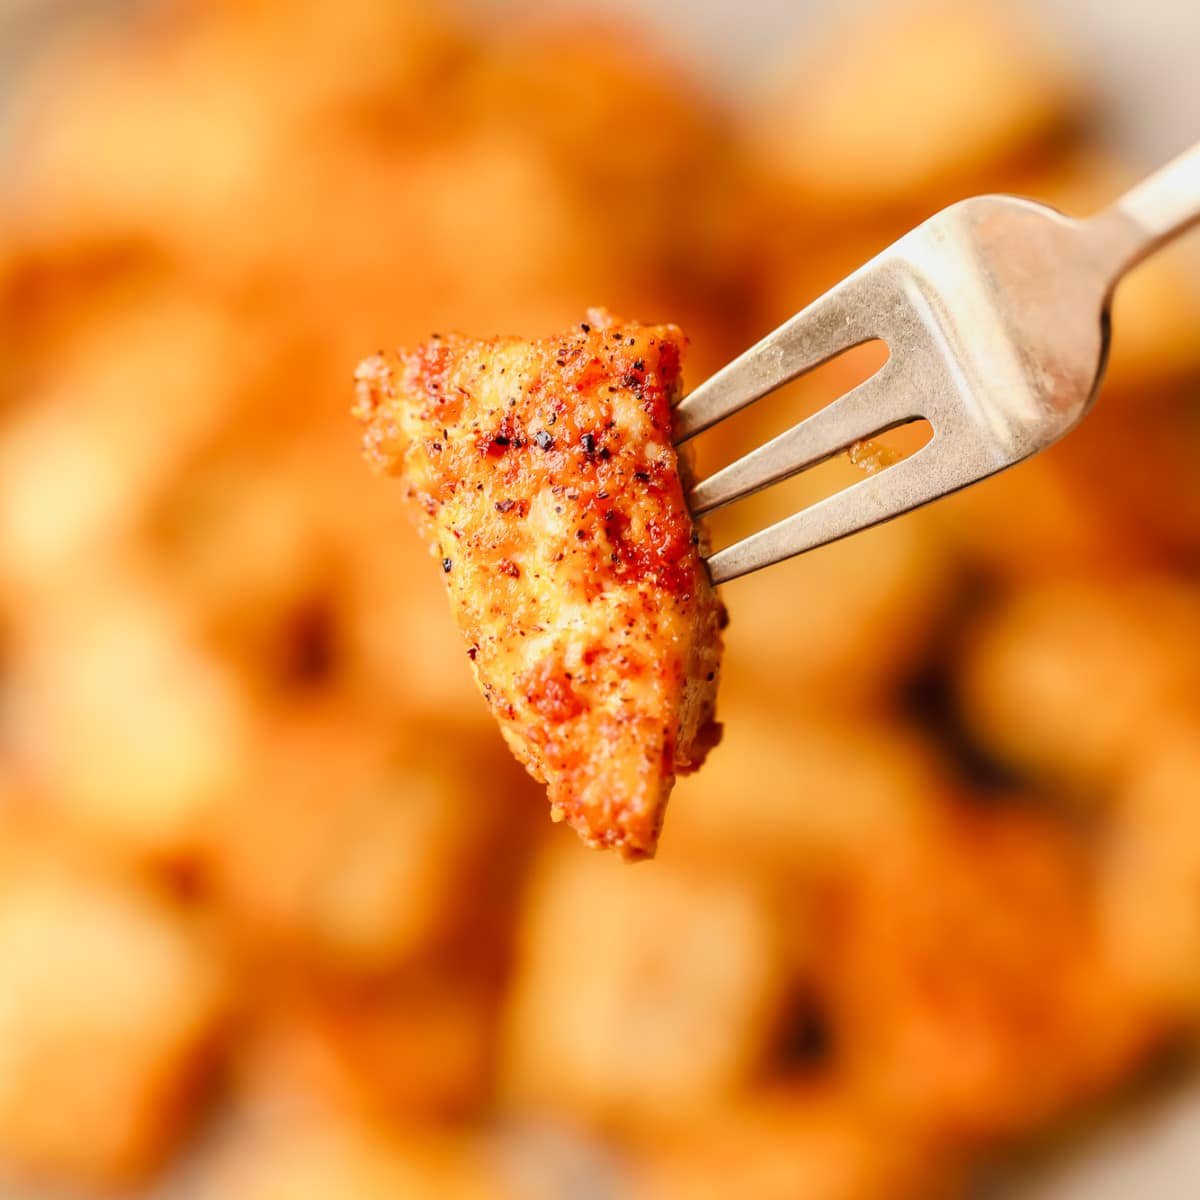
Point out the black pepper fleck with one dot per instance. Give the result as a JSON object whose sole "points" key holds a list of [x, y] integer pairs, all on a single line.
{"points": [[588, 442], [544, 440], [447, 563]]}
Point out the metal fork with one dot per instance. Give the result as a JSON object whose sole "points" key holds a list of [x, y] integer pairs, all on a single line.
{"points": [[995, 313]]}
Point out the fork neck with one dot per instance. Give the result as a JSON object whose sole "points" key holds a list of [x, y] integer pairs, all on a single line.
{"points": [[1151, 214]]}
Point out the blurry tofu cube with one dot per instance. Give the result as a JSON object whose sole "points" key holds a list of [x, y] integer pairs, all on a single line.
{"points": [[641, 995], [273, 554], [415, 1047], [1070, 533], [167, 130], [1069, 680], [1133, 464], [391, 881], [348, 844], [808, 798], [145, 382], [907, 102], [819, 1143], [970, 994], [113, 146], [334, 58], [322, 1155], [1115, 498], [109, 1006], [132, 733], [238, 544], [634, 132], [1149, 874]]}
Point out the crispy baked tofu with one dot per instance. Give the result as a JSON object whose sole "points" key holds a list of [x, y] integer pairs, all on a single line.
{"points": [[552, 499], [113, 1010]]}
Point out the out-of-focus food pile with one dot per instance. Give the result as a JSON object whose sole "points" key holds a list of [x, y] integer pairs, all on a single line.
{"points": [[279, 917]]}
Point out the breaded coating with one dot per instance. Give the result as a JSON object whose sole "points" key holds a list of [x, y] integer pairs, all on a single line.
{"points": [[552, 498]]}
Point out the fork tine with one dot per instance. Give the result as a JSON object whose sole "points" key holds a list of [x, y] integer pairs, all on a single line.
{"points": [[874, 406], [831, 324], [938, 468]]}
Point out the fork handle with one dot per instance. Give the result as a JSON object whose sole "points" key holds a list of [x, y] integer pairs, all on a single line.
{"points": [[1155, 211]]}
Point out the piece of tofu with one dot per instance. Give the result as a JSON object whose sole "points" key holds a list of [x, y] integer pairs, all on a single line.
{"points": [[553, 502], [113, 1005]]}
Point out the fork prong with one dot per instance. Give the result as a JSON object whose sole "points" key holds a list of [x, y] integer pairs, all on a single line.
{"points": [[831, 324], [933, 471], [874, 406]]}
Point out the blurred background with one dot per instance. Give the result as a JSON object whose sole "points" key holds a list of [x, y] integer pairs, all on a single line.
{"points": [[279, 918]]}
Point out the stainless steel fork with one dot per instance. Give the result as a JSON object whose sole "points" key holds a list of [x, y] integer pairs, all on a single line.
{"points": [[995, 313]]}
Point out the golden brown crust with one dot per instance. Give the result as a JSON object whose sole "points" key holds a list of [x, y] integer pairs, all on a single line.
{"points": [[552, 498]]}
